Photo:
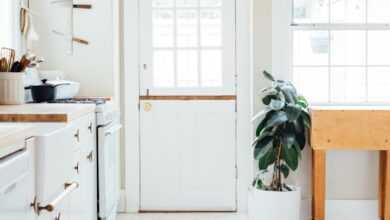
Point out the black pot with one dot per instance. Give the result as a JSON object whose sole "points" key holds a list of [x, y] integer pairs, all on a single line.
{"points": [[43, 93]]}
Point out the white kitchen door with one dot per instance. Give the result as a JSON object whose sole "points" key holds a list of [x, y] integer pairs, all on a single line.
{"points": [[187, 105]]}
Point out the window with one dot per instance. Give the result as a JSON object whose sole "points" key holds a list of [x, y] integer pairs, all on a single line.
{"points": [[187, 46], [341, 50]]}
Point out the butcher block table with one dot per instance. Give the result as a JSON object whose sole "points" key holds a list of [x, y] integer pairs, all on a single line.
{"points": [[350, 128]]}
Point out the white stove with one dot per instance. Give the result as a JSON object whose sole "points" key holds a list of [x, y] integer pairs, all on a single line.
{"points": [[108, 149]]}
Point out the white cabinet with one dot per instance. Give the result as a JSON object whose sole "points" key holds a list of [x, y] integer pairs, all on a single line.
{"points": [[67, 157], [83, 204], [17, 184]]}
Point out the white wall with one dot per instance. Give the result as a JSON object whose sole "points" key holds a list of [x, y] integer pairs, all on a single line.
{"points": [[351, 175], [95, 65], [262, 46]]}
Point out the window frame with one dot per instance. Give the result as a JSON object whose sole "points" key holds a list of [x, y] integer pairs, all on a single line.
{"points": [[228, 49], [283, 27]]}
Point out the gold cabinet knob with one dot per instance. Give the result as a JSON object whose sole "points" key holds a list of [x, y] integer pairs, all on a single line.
{"points": [[147, 107]]}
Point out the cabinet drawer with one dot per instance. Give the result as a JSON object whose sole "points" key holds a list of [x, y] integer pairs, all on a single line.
{"points": [[81, 133], [54, 159], [60, 154], [14, 166], [88, 133]]}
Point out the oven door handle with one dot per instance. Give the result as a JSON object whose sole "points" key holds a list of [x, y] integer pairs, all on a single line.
{"points": [[112, 130]]}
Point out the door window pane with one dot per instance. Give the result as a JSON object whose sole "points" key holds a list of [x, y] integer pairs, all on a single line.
{"points": [[163, 69], [348, 11], [378, 84], [163, 3], [378, 11], [163, 28], [313, 83], [311, 47], [211, 68], [210, 3], [211, 28], [378, 48], [187, 68], [187, 3], [187, 28], [348, 84], [312, 11], [348, 47]]}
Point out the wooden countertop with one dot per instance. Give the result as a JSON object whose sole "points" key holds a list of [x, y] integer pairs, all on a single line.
{"points": [[350, 127], [44, 112], [350, 108]]}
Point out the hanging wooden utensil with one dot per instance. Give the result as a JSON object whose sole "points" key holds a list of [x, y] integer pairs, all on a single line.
{"points": [[82, 6]]}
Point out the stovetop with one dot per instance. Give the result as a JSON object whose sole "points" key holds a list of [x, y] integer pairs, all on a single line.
{"points": [[97, 101]]}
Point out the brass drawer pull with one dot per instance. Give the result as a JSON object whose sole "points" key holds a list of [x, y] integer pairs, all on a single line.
{"points": [[77, 135], [77, 168], [90, 156], [90, 127], [69, 188]]}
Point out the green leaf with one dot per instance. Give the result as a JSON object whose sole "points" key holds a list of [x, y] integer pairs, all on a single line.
{"points": [[262, 124], [306, 119], [271, 120], [276, 104], [301, 139], [292, 112], [302, 102], [268, 98], [267, 159], [289, 153], [259, 184], [268, 76], [262, 147], [289, 92], [285, 170]]}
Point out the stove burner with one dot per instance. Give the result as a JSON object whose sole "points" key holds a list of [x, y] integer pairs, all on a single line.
{"points": [[97, 101]]}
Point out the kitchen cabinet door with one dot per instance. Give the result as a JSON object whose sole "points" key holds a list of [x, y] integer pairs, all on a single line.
{"points": [[90, 180], [83, 205], [17, 183]]}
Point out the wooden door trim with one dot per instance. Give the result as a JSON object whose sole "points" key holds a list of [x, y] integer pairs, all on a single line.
{"points": [[190, 97]]}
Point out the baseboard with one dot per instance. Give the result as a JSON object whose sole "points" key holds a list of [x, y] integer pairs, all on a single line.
{"points": [[344, 209], [335, 209], [122, 201]]}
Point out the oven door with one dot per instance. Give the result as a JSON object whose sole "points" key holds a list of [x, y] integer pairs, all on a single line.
{"points": [[108, 168]]}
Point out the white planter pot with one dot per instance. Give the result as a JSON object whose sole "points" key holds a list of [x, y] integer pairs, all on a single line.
{"points": [[270, 205], [11, 88]]}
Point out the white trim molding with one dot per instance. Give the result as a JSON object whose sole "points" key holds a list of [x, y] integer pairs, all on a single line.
{"points": [[130, 100], [244, 50]]}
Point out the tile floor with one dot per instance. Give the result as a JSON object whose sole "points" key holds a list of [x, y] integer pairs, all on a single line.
{"points": [[336, 210], [182, 216]]}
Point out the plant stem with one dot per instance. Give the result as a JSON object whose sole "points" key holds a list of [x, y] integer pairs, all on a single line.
{"points": [[276, 183], [279, 179]]}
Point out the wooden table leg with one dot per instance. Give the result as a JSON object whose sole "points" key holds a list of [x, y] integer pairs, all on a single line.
{"points": [[382, 183], [319, 188], [385, 188]]}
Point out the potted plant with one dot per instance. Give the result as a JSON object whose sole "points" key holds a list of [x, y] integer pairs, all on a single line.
{"points": [[280, 138]]}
